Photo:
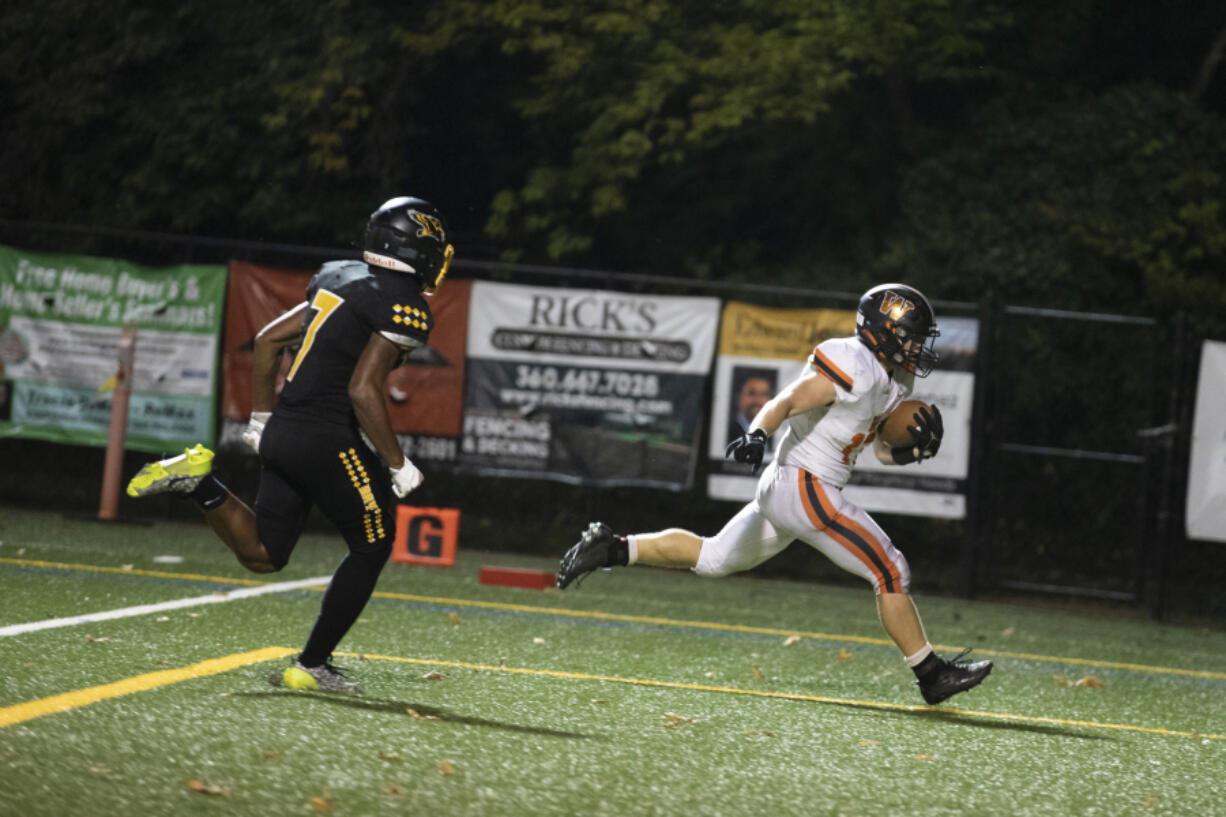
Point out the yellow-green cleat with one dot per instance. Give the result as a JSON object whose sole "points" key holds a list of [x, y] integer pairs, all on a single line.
{"points": [[324, 678], [177, 475]]}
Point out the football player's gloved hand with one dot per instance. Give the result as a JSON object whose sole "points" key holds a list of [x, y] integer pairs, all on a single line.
{"points": [[405, 478], [748, 447], [926, 434], [255, 428]]}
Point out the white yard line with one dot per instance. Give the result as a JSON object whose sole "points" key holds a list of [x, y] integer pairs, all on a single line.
{"points": [[144, 609]]}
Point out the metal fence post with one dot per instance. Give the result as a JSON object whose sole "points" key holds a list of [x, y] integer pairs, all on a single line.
{"points": [[1170, 444], [974, 529]]}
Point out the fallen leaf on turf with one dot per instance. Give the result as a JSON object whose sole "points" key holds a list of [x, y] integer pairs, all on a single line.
{"points": [[600, 700], [127, 567], [870, 743], [390, 755], [201, 788], [711, 674], [790, 640], [1149, 801], [195, 615], [321, 803], [391, 790], [433, 675], [924, 757], [363, 621], [101, 640], [418, 716], [21, 551], [1007, 631], [99, 770], [538, 640], [454, 618], [843, 654], [445, 767], [162, 618], [1089, 681], [757, 673], [673, 720]]}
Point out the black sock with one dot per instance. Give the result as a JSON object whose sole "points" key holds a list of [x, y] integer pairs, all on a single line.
{"points": [[619, 552], [209, 493], [929, 666], [347, 594]]}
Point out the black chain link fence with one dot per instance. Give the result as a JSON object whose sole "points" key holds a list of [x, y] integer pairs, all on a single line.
{"points": [[1078, 457]]}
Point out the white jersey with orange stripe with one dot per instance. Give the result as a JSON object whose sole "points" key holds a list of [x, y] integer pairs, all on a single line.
{"points": [[827, 440]]}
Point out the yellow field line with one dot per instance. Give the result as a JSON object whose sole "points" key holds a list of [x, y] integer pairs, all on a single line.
{"points": [[29, 710], [788, 696], [130, 571], [664, 622], [744, 628]]}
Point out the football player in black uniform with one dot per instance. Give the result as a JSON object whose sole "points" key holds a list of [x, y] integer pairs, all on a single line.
{"points": [[358, 320]]}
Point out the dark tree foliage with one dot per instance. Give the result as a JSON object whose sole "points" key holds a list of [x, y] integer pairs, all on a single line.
{"points": [[1050, 150]]}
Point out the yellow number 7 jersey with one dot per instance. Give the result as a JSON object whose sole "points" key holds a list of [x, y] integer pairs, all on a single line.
{"points": [[348, 301]]}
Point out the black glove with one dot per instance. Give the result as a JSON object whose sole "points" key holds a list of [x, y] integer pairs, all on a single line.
{"points": [[748, 447], [926, 434]]}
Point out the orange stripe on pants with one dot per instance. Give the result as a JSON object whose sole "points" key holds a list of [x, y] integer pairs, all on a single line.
{"points": [[854, 537]]}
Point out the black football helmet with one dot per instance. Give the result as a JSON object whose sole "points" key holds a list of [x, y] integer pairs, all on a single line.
{"points": [[897, 324], [409, 235]]}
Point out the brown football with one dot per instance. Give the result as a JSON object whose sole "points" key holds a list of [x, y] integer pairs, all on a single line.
{"points": [[894, 428]]}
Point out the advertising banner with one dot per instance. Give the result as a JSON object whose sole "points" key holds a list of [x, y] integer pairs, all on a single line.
{"points": [[424, 396], [1205, 512], [60, 320], [761, 350], [586, 386]]}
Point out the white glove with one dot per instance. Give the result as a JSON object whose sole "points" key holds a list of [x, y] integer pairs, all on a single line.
{"points": [[255, 427], [405, 478]]}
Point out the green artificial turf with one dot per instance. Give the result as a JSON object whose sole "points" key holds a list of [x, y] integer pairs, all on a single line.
{"points": [[642, 692]]}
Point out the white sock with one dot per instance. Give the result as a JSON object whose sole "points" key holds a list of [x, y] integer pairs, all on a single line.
{"points": [[633, 550], [914, 661]]}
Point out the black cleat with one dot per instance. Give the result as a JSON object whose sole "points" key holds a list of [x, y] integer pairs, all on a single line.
{"points": [[953, 677], [589, 553]]}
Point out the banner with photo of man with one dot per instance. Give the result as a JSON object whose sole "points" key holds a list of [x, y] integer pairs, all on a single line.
{"points": [[761, 350], [586, 386], [60, 322]]}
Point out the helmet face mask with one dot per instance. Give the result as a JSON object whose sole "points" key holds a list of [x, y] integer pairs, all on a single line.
{"points": [[409, 235], [897, 323]]}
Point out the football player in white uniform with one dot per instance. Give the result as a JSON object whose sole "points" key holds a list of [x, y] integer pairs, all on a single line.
{"points": [[828, 414]]}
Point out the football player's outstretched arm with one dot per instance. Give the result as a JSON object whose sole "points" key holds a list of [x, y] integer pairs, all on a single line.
{"points": [[805, 393], [366, 392], [269, 342]]}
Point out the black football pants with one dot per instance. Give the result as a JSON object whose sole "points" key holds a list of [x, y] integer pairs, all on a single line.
{"points": [[330, 467]]}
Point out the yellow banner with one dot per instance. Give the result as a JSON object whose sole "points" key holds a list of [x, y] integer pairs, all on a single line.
{"points": [[780, 334]]}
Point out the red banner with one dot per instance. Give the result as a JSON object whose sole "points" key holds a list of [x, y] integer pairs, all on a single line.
{"points": [[257, 295], [425, 396]]}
